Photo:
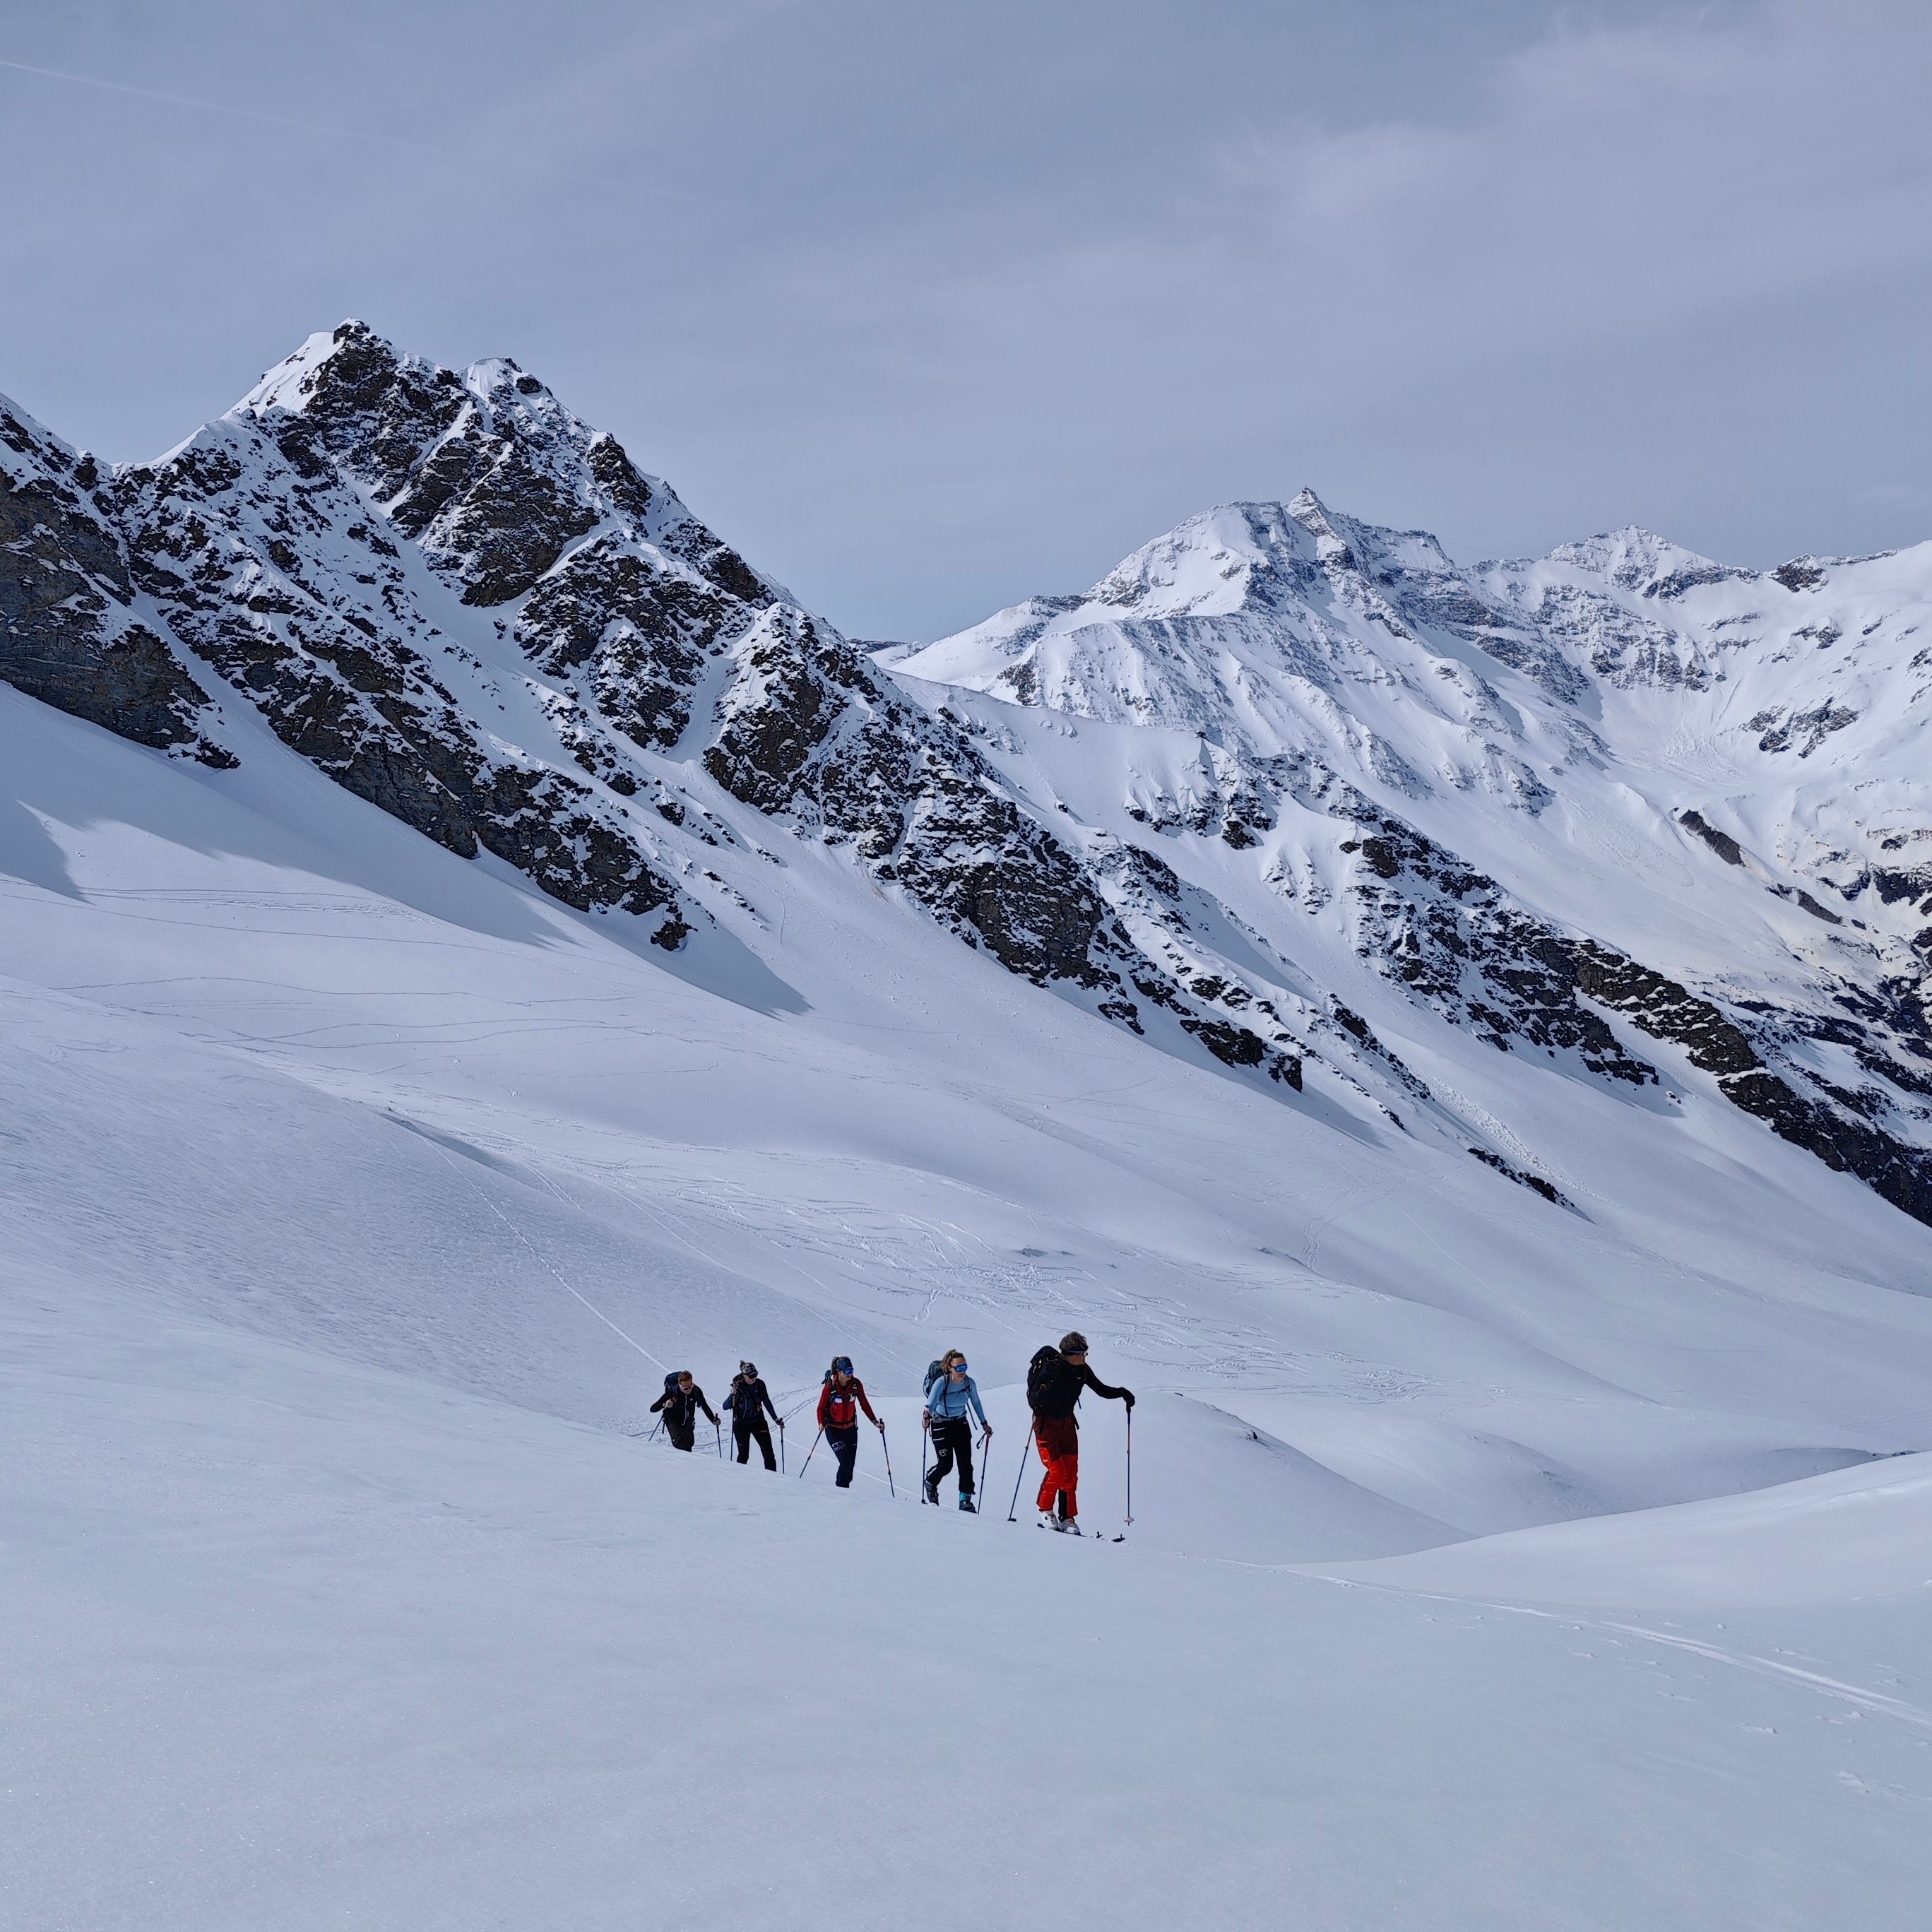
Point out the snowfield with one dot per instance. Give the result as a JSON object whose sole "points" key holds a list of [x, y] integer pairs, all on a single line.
{"points": [[355, 1196], [299, 1643]]}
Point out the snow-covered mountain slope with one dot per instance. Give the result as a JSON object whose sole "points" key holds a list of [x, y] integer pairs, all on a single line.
{"points": [[244, 1005], [469, 944], [354, 1197], [1621, 808]]}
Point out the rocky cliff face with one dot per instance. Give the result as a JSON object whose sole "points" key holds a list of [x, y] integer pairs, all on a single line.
{"points": [[71, 631], [1283, 793]]}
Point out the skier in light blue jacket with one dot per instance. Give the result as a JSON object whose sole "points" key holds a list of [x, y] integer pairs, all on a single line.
{"points": [[952, 1400]]}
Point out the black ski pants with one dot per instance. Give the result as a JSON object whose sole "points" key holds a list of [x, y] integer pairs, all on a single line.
{"points": [[754, 1429], [844, 1443], [684, 1438], [951, 1437]]}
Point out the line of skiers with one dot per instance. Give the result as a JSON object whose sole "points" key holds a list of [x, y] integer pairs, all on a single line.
{"points": [[749, 1401], [1056, 1377]]}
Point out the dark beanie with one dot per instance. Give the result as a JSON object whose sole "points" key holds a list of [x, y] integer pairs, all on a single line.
{"points": [[1075, 1344]]}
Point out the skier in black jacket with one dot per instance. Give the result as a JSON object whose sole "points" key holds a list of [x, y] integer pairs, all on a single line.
{"points": [[679, 1405], [1055, 1378], [750, 1402]]}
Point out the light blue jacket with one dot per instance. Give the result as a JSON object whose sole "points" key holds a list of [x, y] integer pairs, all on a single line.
{"points": [[950, 1399]]}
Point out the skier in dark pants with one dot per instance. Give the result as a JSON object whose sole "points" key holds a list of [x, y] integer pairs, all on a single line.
{"points": [[679, 1405], [839, 1402], [950, 1404], [1055, 1380], [750, 1402]]}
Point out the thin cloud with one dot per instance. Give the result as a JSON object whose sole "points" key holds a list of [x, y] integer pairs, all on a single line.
{"points": [[463, 155]]}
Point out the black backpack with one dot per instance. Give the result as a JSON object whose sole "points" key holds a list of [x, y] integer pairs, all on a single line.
{"points": [[935, 1370], [1053, 1387], [670, 1381]]}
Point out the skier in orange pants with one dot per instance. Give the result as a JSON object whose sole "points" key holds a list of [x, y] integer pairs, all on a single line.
{"points": [[1055, 1379]]}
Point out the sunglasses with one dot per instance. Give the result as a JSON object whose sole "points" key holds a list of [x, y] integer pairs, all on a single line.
{"points": [[958, 1368]]}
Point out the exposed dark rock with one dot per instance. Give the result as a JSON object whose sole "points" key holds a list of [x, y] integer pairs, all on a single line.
{"points": [[1814, 726], [1899, 1173], [68, 634], [1455, 941], [1726, 847], [230, 538], [1894, 883], [1524, 1178], [642, 629], [1662, 1008], [1627, 648]]}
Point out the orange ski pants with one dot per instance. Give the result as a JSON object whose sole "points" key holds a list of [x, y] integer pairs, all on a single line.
{"points": [[1057, 1439]]}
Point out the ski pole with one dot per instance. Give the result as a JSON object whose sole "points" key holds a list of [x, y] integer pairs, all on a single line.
{"points": [[781, 1467], [888, 1448], [985, 1460], [808, 1454], [717, 1429], [925, 1426], [1013, 1506], [1130, 1463]]}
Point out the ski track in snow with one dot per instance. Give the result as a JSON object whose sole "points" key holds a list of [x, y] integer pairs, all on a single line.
{"points": [[1764, 1666]]}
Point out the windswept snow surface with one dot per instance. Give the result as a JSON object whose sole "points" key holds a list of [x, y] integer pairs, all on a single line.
{"points": [[296, 1642], [354, 1198], [1857, 1533]]}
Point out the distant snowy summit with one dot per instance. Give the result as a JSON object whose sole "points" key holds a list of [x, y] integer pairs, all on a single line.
{"points": [[1262, 589], [1287, 793]]}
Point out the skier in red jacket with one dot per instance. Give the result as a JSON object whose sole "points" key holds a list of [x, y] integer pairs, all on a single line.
{"points": [[839, 1402]]}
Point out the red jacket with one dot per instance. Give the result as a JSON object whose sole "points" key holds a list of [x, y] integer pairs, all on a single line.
{"points": [[838, 1409]]}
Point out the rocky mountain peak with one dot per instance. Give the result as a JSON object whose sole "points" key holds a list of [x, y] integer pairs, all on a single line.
{"points": [[1380, 553], [1637, 560]]}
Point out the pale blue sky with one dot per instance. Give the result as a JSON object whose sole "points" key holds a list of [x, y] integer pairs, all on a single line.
{"points": [[927, 306]]}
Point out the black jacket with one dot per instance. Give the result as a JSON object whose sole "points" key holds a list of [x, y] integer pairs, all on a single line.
{"points": [[745, 1400], [1053, 1386], [680, 1411]]}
